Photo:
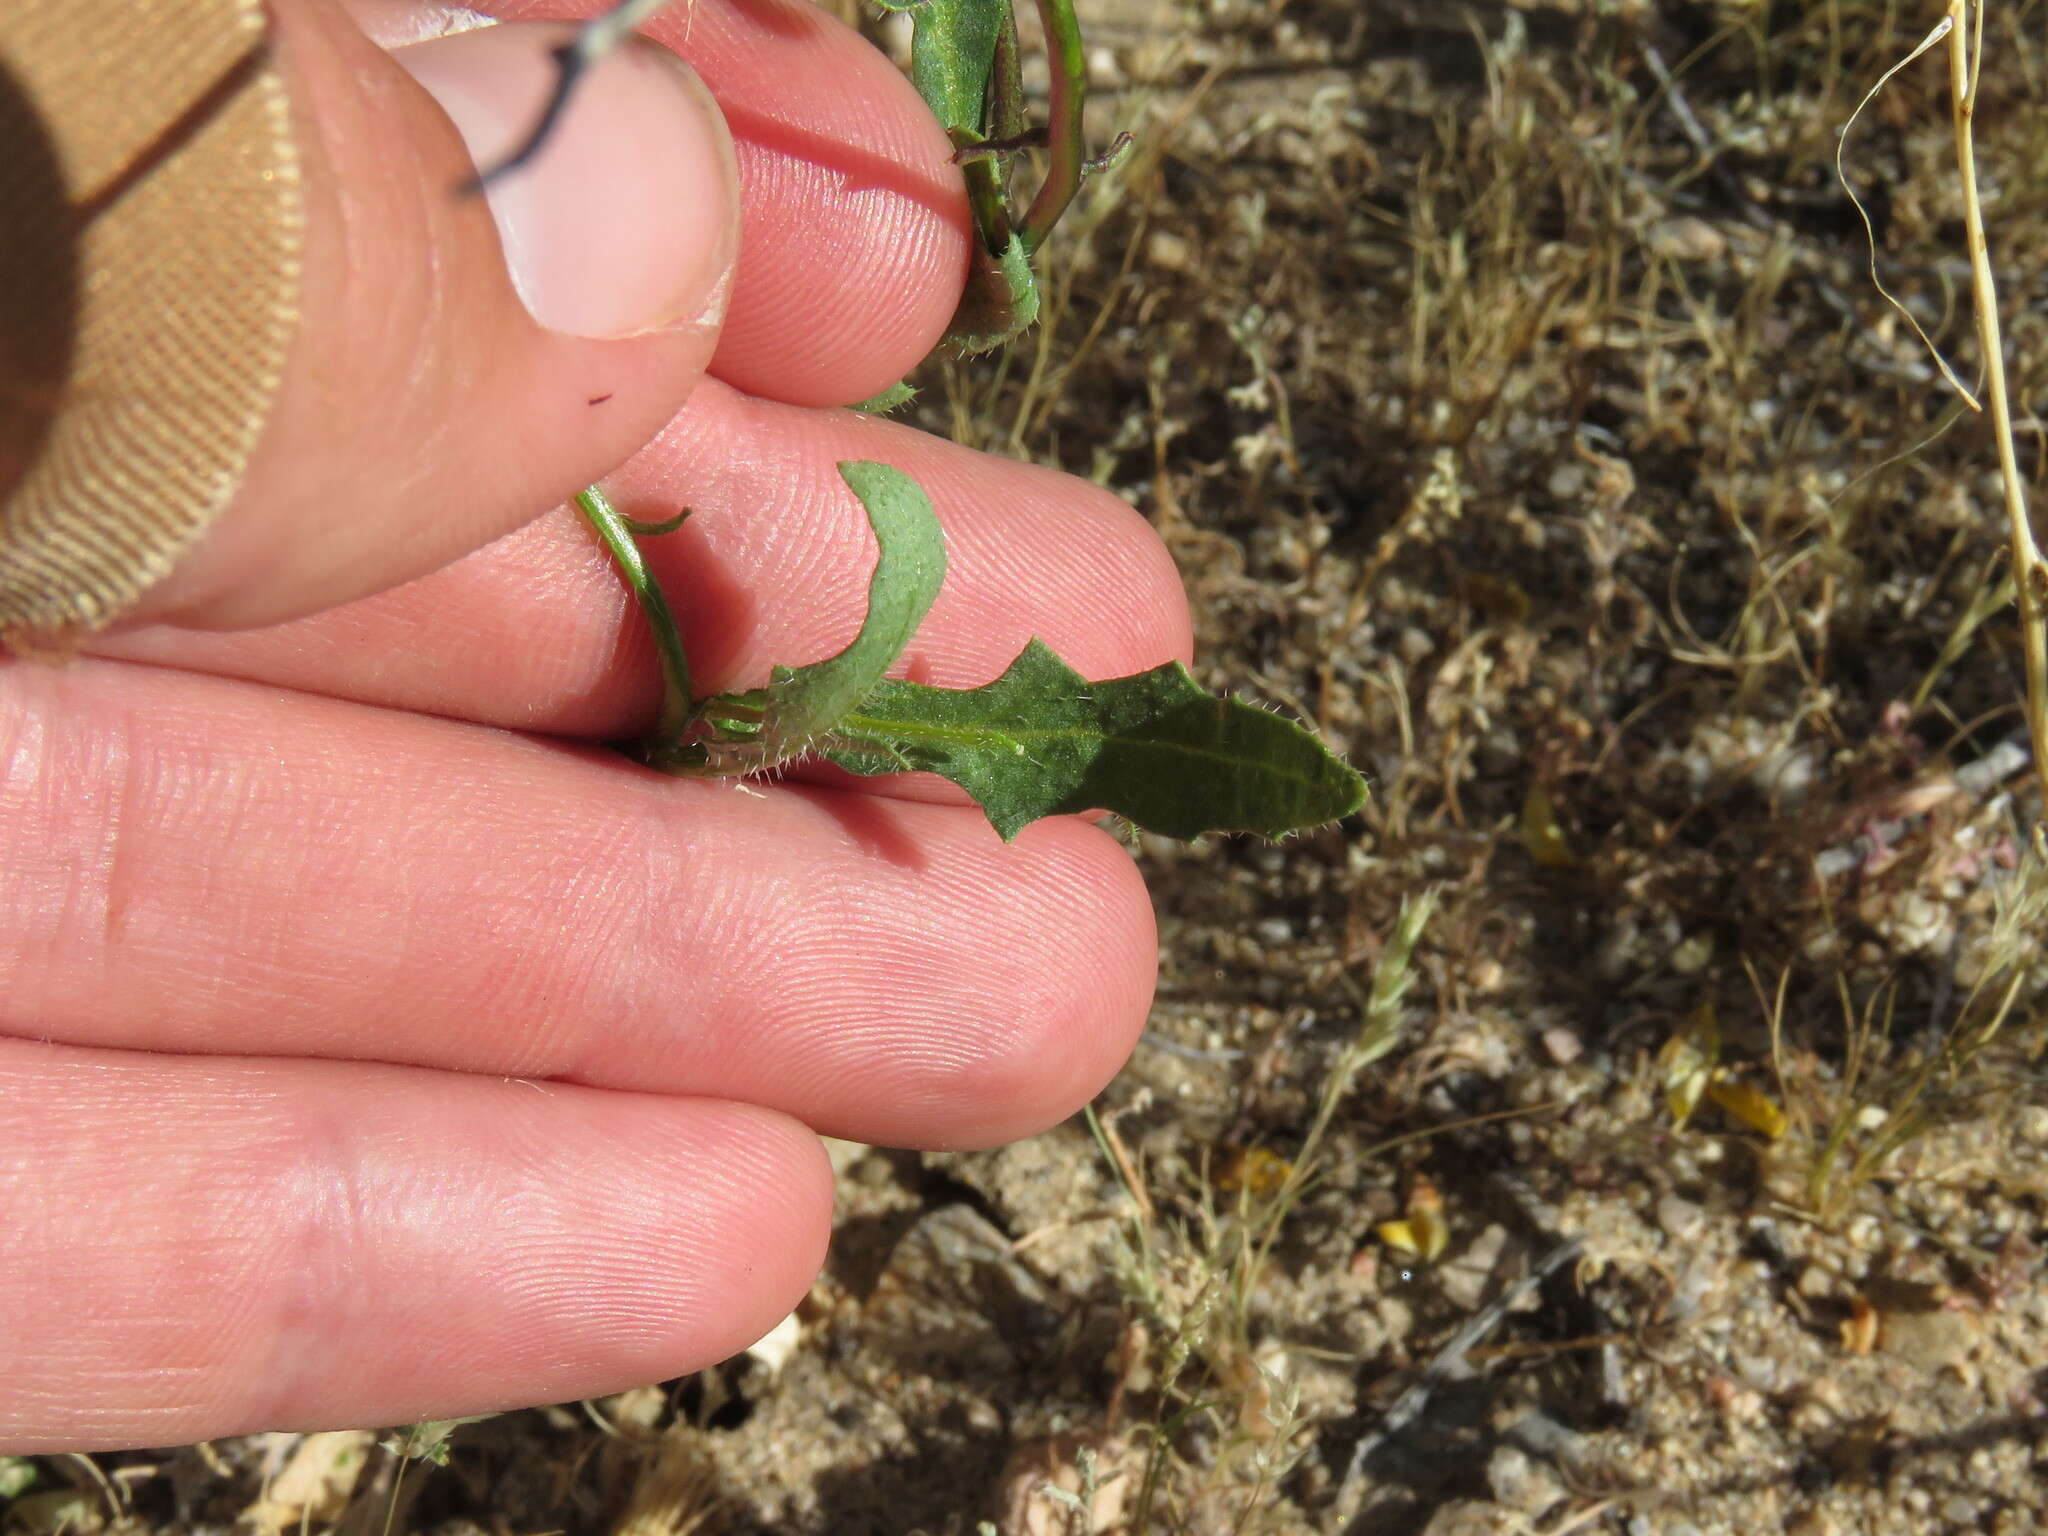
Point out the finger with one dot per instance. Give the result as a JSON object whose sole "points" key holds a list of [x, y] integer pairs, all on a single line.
{"points": [[771, 568], [210, 866], [435, 396], [856, 235], [210, 1247]]}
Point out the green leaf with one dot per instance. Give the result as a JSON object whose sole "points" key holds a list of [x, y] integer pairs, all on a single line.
{"points": [[1001, 301], [428, 1441], [1040, 740], [952, 54], [883, 401], [1154, 748], [757, 730]]}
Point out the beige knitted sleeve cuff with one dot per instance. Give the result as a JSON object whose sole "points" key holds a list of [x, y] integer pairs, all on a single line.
{"points": [[150, 233]]}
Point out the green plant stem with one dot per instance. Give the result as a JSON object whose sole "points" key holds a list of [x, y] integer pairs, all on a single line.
{"points": [[985, 199], [987, 184], [1379, 1031], [621, 536], [1064, 140]]}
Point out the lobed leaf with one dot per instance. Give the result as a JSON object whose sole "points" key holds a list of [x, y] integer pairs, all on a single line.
{"points": [[757, 730], [1041, 740], [1154, 748], [952, 55]]}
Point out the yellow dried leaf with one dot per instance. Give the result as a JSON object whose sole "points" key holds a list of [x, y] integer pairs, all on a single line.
{"points": [[1542, 832], [1423, 1232], [1754, 1109], [1252, 1169], [1426, 1219], [1396, 1235], [1433, 1232], [1687, 1062], [1859, 1328]]}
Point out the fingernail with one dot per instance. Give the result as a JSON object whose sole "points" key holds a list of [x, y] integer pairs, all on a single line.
{"points": [[625, 222]]}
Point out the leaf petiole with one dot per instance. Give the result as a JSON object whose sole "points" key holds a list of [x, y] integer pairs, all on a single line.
{"points": [[620, 535], [1065, 142]]}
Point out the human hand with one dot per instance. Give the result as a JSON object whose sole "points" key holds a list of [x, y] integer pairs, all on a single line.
{"points": [[374, 1047]]}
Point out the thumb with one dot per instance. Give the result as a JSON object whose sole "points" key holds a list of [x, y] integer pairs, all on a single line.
{"points": [[460, 363]]}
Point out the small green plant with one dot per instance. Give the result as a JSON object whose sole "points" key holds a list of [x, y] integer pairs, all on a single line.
{"points": [[1190, 1287], [1040, 740], [1894, 1090]]}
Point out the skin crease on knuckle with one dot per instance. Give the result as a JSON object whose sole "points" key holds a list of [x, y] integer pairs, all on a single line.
{"points": [[606, 1240], [533, 632], [975, 1052], [882, 969]]}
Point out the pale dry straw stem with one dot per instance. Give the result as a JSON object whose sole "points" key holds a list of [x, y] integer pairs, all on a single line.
{"points": [[1948, 26], [2030, 573], [1962, 26]]}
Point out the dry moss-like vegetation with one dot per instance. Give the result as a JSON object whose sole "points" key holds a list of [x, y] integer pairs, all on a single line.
{"points": [[1509, 382]]}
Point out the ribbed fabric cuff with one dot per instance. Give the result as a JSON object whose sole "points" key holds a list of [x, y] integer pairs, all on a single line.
{"points": [[150, 232]]}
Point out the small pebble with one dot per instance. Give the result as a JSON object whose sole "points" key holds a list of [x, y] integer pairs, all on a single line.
{"points": [[1567, 480], [1692, 955], [1169, 252], [1680, 1218], [1685, 238], [1520, 1482], [1759, 1371], [1464, 1517], [1543, 1437], [1816, 1282], [774, 1348], [1929, 1340]]}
